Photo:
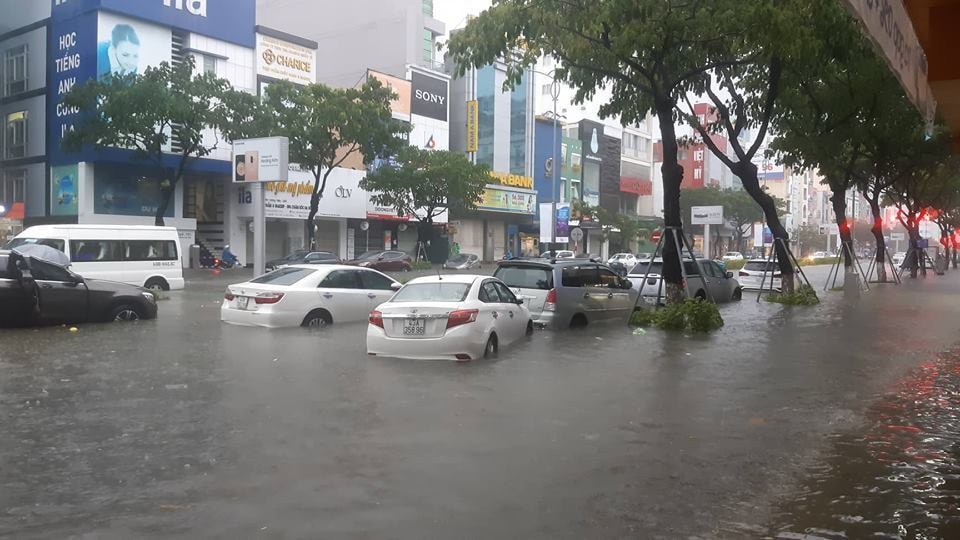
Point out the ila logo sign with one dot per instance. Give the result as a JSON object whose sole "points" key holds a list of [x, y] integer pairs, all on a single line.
{"points": [[194, 7]]}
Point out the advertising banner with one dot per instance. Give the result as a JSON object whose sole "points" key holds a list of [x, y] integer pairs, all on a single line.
{"points": [[501, 200], [261, 160], [706, 215], [119, 195], [285, 61], [430, 96], [127, 46], [561, 221], [63, 190], [429, 134], [73, 49], [401, 88], [473, 125]]}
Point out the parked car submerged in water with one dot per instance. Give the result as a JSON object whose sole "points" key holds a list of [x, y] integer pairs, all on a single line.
{"points": [[36, 293], [717, 284], [384, 260], [462, 261]]}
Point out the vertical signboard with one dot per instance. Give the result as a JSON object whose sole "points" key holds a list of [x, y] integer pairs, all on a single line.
{"points": [[429, 110], [73, 49], [261, 160], [473, 125], [63, 190]]}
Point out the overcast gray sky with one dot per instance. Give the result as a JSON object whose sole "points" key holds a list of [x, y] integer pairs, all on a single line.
{"points": [[454, 12]]}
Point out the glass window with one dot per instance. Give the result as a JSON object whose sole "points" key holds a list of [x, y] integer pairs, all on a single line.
{"points": [[427, 46], [489, 294], [45, 271], [16, 139], [506, 295], [375, 281], [518, 126], [486, 90], [711, 269], [433, 292], [525, 277], [150, 250], [209, 64], [7, 270], [284, 276], [96, 250], [606, 278], [571, 276], [52, 242], [15, 70], [320, 256], [341, 279], [13, 187], [428, 7]]}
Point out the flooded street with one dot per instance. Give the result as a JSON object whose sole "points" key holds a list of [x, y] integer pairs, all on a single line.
{"points": [[827, 421]]}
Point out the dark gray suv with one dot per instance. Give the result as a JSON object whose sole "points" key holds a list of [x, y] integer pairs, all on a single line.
{"points": [[568, 292]]}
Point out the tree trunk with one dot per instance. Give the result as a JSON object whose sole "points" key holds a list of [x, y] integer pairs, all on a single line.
{"points": [[319, 185], [881, 256], [839, 202], [166, 193], [747, 172], [672, 177], [914, 257]]}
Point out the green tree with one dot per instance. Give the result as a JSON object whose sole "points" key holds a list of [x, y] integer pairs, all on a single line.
{"points": [[146, 113], [326, 127], [647, 53], [422, 184], [809, 238]]}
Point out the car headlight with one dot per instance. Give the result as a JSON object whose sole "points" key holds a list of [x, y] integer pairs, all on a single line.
{"points": [[149, 296]]}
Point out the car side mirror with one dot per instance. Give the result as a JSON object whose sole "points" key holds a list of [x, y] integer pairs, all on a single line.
{"points": [[396, 286], [380, 258], [626, 284], [519, 301], [729, 275]]}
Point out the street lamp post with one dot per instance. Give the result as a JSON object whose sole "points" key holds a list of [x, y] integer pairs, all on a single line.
{"points": [[555, 94]]}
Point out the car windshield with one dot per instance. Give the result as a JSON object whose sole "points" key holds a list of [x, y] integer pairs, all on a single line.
{"points": [[641, 268], [369, 255], [525, 277], [322, 256], [432, 292], [283, 276], [17, 242], [732, 254]]}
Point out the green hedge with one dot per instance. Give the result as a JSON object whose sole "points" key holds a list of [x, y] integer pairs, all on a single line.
{"points": [[802, 296], [695, 315]]}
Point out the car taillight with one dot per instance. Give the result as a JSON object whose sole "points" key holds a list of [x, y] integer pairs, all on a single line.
{"points": [[550, 304], [376, 318], [744, 274], [227, 295], [461, 317], [268, 298]]}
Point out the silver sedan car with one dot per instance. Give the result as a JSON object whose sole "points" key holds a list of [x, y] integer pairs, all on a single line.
{"points": [[717, 284]]}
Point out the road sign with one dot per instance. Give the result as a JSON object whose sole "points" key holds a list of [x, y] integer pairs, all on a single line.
{"points": [[898, 236], [576, 234], [655, 236]]}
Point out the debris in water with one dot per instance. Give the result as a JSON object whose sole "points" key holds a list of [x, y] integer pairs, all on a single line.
{"points": [[74, 329], [639, 332], [176, 387]]}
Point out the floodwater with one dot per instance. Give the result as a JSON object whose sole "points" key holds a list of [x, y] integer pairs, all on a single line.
{"points": [[826, 421]]}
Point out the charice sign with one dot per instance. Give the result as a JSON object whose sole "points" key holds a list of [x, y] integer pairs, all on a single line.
{"points": [[261, 160]]}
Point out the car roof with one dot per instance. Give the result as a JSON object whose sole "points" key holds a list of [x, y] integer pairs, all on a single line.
{"points": [[757, 260], [325, 267], [448, 278], [547, 263]]}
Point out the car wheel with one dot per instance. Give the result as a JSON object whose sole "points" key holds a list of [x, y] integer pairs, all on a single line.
{"points": [[157, 284], [738, 295], [529, 331], [493, 348], [700, 295], [125, 313], [317, 319], [578, 321]]}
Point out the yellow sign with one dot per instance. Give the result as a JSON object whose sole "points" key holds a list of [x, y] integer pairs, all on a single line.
{"points": [[515, 180], [473, 125]]}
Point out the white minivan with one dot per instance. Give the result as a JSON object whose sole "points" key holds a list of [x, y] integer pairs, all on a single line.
{"points": [[144, 256]]}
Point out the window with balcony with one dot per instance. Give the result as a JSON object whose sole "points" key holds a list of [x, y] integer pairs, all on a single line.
{"points": [[15, 142], [15, 70], [428, 8], [428, 46]]}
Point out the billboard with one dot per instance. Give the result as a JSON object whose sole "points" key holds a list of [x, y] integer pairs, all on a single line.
{"points": [[64, 184], [429, 96], [429, 133], [401, 87], [73, 48], [706, 215], [504, 200], [127, 46], [290, 199], [285, 61], [232, 21], [261, 160], [561, 221]]}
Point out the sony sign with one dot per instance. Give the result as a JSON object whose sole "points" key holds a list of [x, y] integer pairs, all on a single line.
{"points": [[429, 96], [194, 7]]}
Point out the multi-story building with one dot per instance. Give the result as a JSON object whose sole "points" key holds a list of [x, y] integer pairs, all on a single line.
{"points": [[386, 36], [48, 47], [496, 129]]}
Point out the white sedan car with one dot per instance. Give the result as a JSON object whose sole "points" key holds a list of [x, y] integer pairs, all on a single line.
{"points": [[307, 295], [452, 317]]}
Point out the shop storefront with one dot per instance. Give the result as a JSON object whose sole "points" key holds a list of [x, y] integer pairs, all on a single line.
{"points": [[503, 221]]}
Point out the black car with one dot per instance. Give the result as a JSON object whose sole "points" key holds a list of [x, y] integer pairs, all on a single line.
{"points": [[37, 292], [304, 257]]}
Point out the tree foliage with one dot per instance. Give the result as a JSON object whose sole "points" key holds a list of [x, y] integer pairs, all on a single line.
{"points": [[326, 126], [647, 53], [739, 209], [146, 113], [422, 184]]}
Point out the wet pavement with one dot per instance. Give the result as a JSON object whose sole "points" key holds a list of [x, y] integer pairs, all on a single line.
{"points": [[833, 421]]}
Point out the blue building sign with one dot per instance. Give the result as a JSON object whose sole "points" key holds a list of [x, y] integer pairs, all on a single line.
{"points": [[73, 50]]}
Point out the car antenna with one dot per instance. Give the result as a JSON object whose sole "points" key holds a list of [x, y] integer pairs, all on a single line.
{"points": [[439, 277]]}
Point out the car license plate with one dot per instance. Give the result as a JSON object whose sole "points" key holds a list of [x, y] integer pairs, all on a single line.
{"points": [[414, 327], [243, 302], [650, 300]]}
